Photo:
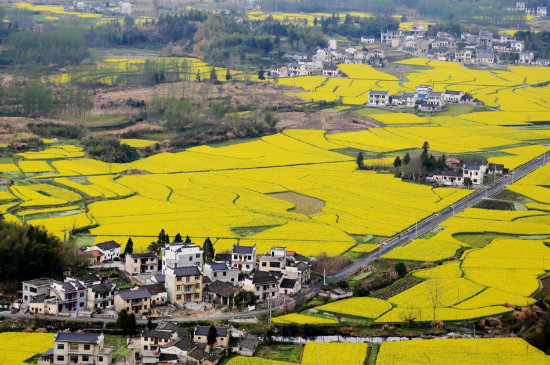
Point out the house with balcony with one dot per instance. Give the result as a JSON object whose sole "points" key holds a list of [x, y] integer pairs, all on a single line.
{"points": [[163, 334], [36, 287], [101, 296], [243, 258], [181, 255], [109, 251], [298, 270], [184, 285], [378, 98], [67, 296], [141, 263], [78, 348], [134, 301]]}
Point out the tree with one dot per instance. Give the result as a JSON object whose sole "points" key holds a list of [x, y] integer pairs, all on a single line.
{"points": [[468, 182], [360, 160], [397, 162], [211, 336], [400, 269], [407, 159], [208, 249], [178, 238], [198, 77], [187, 239], [122, 320], [150, 324], [261, 74], [245, 297], [434, 296], [228, 75], [425, 149], [213, 74], [129, 249], [162, 240], [132, 325], [315, 21]]}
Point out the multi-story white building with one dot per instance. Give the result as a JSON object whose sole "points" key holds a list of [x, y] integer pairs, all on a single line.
{"points": [[181, 255], [36, 287], [264, 285], [109, 250], [273, 261], [243, 258], [378, 98], [78, 348], [101, 296], [475, 172], [141, 263]]}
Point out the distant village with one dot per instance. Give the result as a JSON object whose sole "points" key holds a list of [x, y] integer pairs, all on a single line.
{"points": [[124, 8]]}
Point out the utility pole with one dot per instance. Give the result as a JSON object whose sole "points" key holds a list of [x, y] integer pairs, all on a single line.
{"points": [[324, 277]]}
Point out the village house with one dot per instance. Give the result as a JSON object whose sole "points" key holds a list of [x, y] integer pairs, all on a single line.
{"points": [[243, 258], [141, 263], [36, 287], [475, 172], [447, 178], [181, 255], [134, 301], [243, 343], [368, 40], [220, 292], [452, 96], [78, 348], [463, 56], [334, 292], [485, 56], [299, 270], [109, 251], [222, 336], [435, 98], [378, 98], [220, 271], [184, 285], [101, 296], [331, 71], [495, 169], [264, 285], [289, 286], [159, 294], [163, 334], [273, 261], [526, 58]]}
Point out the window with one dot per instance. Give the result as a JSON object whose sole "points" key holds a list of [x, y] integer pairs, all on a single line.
{"points": [[196, 295], [215, 274], [60, 358], [87, 347], [85, 358], [178, 297], [264, 264], [178, 287], [197, 277], [82, 294], [198, 255], [81, 304], [224, 273], [145, 347], [100, 358], [26, 287], [190, 258], [73, 346], [60, 346]]}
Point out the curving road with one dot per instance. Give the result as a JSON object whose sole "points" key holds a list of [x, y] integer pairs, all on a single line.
{"points": [[402, 238]]}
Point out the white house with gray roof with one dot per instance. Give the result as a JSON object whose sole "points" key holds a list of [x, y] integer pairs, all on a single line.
{"points": [[181, 255], [243, 258], [134, 301], [220, 271], [109, 250], [78, 348], [378, 98]]}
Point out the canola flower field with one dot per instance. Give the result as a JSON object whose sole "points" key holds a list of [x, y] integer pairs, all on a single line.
{"points": [[480, 281], [16, 347]]}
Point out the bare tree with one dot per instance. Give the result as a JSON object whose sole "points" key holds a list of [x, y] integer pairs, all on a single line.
{"points": [[434, 295]]}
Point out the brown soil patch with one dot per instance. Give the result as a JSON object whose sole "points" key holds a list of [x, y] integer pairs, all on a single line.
{"points": [[303, 204], [332, 122]]}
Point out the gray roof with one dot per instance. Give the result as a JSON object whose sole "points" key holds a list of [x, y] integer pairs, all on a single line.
{"points": [[184, 344], [154, 288], [450, 92], [39, 282], [378, 92], [109, 245], [103, 287], [39, 299], [49, 352], [143, 255], [288, 283], [172, 327], [186, 271], [249, 342], [159, 278], [471, 167], [88, 278], [76, 337], [243, 249], [134, 294], [157, 334], [448, 173], [263, 279], [218, 266], [203, 331]]}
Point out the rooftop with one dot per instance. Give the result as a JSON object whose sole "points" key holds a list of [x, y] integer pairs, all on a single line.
{"points": [[109, 245], [134, 294], [76, 337], [244, 249], [186, 271], [217, 265], [39, 282], [203, 331]]}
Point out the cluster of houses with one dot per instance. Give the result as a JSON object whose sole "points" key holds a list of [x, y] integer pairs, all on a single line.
{"points": [[167, 343], [82, 7], [181, 279], [539, 11], [423, 99], [324, 61], [481, 48], [457, 171]]}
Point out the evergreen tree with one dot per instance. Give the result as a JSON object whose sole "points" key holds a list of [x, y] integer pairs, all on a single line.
{"points": [[187, 239], [425, 148], [132, 325], [178, 238], [213, 74], [161, 241], [397, 162], [150, 324], [208, 249], [315, 21], [407, 159], [129, 249], [198, 77], [211, 336], [360, 160], [228, 75], [261, 74], [122, 320]]}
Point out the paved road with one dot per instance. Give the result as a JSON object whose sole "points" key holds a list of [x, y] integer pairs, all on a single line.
{"points": [[402, 238]]}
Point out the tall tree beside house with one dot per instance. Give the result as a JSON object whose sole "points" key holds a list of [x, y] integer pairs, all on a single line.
{"points": [[228, 75], [150, 325], [425, 149], [208, 249], [397, 162], [468, 182], [122, 321], [187, 239], [360, 160], [162, 240], [211, 336], [132, 324], [178, 238], [261, 74], [129, 249], [406, 159]]}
